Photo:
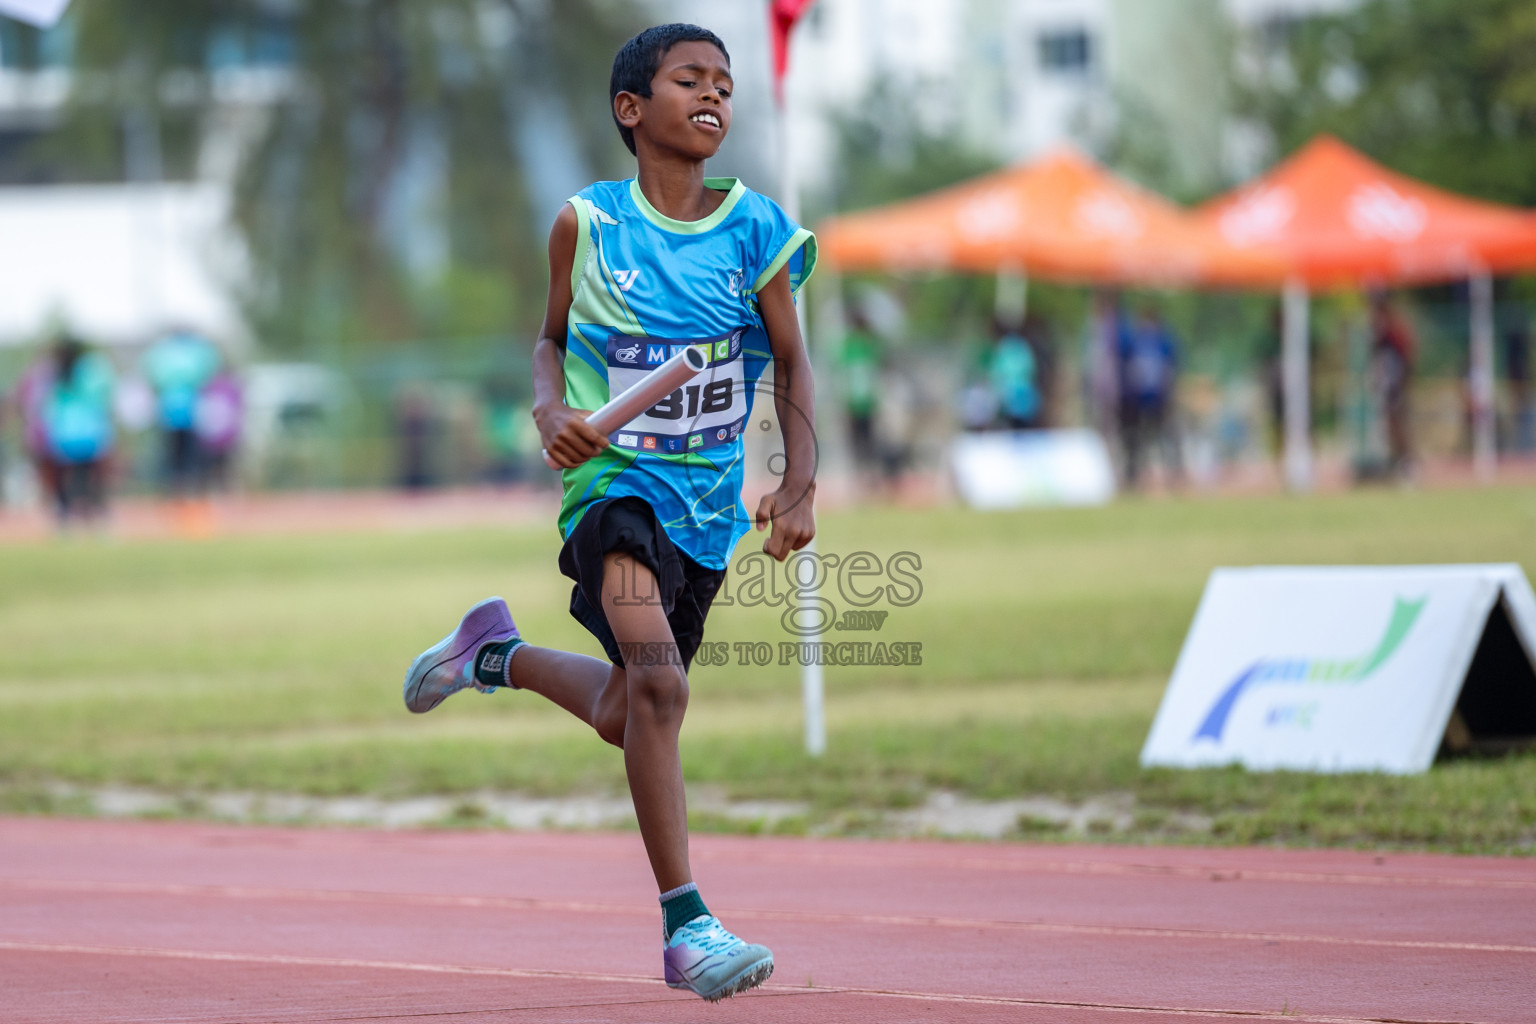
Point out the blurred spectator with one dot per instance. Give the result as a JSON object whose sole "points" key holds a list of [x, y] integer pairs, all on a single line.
{"points": [[1517, 369], [415, 428], [30, 400], [1101, 366], [504, 428], [217, 422], [1392, 353], [77, 416], [1148, 379], [977, 402], [1013, 371], [859, 360], [1274, 379], [895, 426], [178, 367], [1041, 337]]}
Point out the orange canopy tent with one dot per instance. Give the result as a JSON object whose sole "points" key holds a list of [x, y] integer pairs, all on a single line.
{"points": [[1341, 220], [1061, 217]]}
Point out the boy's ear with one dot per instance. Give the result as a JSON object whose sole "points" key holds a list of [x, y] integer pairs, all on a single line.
{"points": [[626, 108]]}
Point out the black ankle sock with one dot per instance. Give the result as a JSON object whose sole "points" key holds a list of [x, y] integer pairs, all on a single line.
{"points": [[491, 664], [679, 906]]}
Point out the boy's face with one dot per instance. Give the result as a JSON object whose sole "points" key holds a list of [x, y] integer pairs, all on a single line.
{"points": [[689, 109]]}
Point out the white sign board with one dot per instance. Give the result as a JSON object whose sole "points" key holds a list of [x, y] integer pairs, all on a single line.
{"points": [[41, 13], [1331, 668], [1009, 469]]}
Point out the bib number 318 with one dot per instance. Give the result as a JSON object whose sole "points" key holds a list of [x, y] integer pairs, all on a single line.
{"points": [[693, 400]]}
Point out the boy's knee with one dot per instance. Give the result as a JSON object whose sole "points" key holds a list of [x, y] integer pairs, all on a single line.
{"points": [[657, 689], [612, 709], [610, 727]]}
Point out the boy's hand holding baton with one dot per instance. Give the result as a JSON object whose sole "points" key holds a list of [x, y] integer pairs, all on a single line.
{"points": [[572, 436]]}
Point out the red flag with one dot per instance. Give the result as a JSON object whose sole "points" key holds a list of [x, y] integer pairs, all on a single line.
{"points": [[783, 15]]}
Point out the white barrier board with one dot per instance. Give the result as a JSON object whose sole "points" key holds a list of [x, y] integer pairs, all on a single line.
{"points": [[1331, 668], [1009, 469]]}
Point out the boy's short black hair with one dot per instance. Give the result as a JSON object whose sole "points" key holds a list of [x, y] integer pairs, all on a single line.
{"points": [[638, 60]]}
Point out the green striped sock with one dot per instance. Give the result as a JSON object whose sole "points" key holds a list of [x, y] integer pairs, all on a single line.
{"points": [[493, 666], [679, 906]]}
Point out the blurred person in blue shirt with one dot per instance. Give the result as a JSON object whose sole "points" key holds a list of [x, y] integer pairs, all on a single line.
{"points": [[178, 367], [1149, 366], [1013, 371], [77, 421]]}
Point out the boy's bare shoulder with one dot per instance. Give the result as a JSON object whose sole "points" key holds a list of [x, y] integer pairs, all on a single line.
{"points": [[562, 240], [565, 226]]}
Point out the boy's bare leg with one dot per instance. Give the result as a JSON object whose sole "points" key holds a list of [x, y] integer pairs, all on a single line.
{"points": [[592, 690], [657, 697], [640, 709]]}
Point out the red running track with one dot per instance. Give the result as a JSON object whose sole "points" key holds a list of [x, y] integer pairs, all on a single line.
{"points": [[152, 921]]}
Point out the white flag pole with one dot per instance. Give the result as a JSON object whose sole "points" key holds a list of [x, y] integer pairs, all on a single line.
{"points": [[1295, 379], [811, 683], [1480, 372]]}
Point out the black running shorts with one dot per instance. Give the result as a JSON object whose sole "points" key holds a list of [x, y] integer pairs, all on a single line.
{"points": [[684, 587]]}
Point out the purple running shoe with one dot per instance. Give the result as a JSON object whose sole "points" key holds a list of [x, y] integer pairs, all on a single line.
{"points": [[709, 961], [448, 666]]}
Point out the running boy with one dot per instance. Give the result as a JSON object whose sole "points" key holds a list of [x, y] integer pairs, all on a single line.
{"points": [[637, 269]]}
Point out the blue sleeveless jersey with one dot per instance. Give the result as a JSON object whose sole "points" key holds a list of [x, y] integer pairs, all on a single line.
{"points": [[644, 285]]}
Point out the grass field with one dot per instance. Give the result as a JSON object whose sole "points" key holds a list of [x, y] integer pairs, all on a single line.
{"points": [[274, 664]]}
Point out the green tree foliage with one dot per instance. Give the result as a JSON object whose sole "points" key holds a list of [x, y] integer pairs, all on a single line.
{"points": [[886, 152], [391, 184], [1444, 90]]}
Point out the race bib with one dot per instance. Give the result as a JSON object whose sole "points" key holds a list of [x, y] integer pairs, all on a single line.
{"points": [[708, 410]]}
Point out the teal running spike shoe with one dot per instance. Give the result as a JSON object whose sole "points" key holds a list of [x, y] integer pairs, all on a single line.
{"points": [[709, 961], [448, 666]]}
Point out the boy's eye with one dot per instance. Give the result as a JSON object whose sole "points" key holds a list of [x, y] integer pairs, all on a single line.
{"points": [[687, 83], [726, 93]]}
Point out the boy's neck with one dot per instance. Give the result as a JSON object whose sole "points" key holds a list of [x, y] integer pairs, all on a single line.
{"points": [[675, 188]]}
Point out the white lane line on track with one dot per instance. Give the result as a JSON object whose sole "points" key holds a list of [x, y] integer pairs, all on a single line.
{"points": [[259, 893], [283, 960]]}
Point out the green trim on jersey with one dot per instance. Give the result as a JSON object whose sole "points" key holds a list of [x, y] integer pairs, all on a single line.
{"points": [[583, 243], [732, 187], [796, 281], [593, 286], [610, 294]]}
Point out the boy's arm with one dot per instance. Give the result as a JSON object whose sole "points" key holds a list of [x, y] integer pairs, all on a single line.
{"points": [[789, 507], [564, 431]]}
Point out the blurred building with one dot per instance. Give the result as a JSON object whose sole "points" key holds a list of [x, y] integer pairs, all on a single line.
{"points": [[121, 246], [1013, 78]]}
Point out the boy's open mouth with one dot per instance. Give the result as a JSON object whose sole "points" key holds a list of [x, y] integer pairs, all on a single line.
{"points": [[707, 119]]}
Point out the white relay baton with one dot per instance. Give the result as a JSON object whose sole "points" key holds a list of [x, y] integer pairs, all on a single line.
{"points": [[656, 385]]}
